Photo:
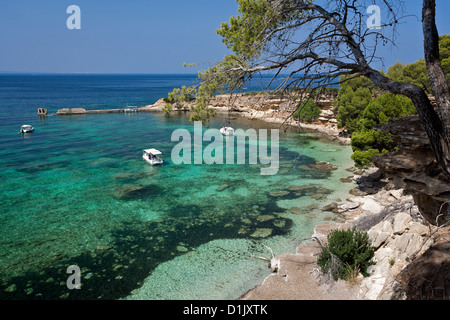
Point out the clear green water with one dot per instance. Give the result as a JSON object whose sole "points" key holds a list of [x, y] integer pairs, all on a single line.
{"points": [[77, 192]]}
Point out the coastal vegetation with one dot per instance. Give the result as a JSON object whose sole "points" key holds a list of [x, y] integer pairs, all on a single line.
{"points": [[307, 111], [347, 251], [319, 45], [265, 38], [363, 106]]}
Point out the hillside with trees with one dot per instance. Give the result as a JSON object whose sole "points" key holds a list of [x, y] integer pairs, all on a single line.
{"points": [[362, 105]]}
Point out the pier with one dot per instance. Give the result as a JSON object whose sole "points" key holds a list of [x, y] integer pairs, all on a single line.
{"points": [[81, 111]]}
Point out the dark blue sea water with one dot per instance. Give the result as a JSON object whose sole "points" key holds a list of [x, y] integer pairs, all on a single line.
{"points": [[77, 192]]}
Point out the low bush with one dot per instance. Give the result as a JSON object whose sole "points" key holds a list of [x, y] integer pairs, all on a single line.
{"points": [[346, 250]]}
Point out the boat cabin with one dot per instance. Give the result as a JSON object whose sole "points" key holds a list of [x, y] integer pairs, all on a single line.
{"points": [[151, 156], [26, 129]]}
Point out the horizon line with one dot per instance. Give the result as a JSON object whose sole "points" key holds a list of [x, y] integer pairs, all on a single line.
{"points": [[91, 73]]}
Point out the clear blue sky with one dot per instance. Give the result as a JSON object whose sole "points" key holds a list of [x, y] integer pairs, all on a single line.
{"points": [[142, 36]]}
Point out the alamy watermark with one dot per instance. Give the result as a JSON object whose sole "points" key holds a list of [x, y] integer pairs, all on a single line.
{"points": [[74, 20], [374, 21], [73, 281], [190, 149]]}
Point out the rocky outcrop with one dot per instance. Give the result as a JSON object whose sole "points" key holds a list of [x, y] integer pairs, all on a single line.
{"points": [[399, 233], [427, 278], [406, 251], [415, 169], [73, 111], [273, 109]]}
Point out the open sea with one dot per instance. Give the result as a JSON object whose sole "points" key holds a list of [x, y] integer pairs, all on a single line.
{"points": [[76, 192]]}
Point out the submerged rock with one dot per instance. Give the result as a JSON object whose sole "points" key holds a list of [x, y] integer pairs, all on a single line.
{"points": [[262, 233], [317, 196], [223, 187], [279, 193], [322, 165], [181, 248], [295, 210], [266, 217], [303, 188], [279, 223], [129, 175], [134, 192], [330, 206]]}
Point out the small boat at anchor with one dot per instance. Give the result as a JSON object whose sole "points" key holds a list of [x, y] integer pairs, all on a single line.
{"points": [[26, 129], [151, 156], [227, 131]]}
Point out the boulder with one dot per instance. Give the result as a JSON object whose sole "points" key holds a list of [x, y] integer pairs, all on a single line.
{"points": [[371, 205], [330, 207], [380, 233], [401, 222], [418, 228], [349, 206], [397, 194], [357, 192], [414, 244]]}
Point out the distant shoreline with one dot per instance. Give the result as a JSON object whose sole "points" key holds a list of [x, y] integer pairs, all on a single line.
{"points": [[271, 110]]}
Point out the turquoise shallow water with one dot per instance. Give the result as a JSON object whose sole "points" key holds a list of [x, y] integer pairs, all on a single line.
{"points": [[77, 192]]}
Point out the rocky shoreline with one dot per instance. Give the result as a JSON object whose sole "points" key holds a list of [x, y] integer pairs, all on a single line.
{"points": [[398, 233], [272, 110], [411, 254]]}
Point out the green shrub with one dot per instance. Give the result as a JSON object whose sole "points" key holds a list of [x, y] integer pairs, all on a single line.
{"points": [[307, 111], [364, 158], [346, 250], [372, 139], [368, 143]]}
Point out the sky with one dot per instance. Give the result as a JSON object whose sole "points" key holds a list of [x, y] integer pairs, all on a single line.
{"points": [[144, 36]]}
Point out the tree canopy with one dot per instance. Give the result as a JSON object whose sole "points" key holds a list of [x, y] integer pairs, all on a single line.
{"points": [[317, 42]]}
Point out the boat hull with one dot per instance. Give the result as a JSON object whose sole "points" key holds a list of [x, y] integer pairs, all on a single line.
{"points": [[152, 162], [26, 131]]}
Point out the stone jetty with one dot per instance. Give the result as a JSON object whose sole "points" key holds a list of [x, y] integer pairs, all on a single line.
{"points": [[82, 111]]}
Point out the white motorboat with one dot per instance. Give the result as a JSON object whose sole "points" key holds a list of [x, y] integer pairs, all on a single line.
{"points": [[26, 129], [227, 131], [152, 156]]}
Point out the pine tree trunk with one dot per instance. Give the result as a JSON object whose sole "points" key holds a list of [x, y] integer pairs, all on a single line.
{"points": [[431, 121], [436, 75]]}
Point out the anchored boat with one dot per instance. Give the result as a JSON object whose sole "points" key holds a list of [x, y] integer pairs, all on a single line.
{"points": [[227, 131], [26, 129], [152, 156]]}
